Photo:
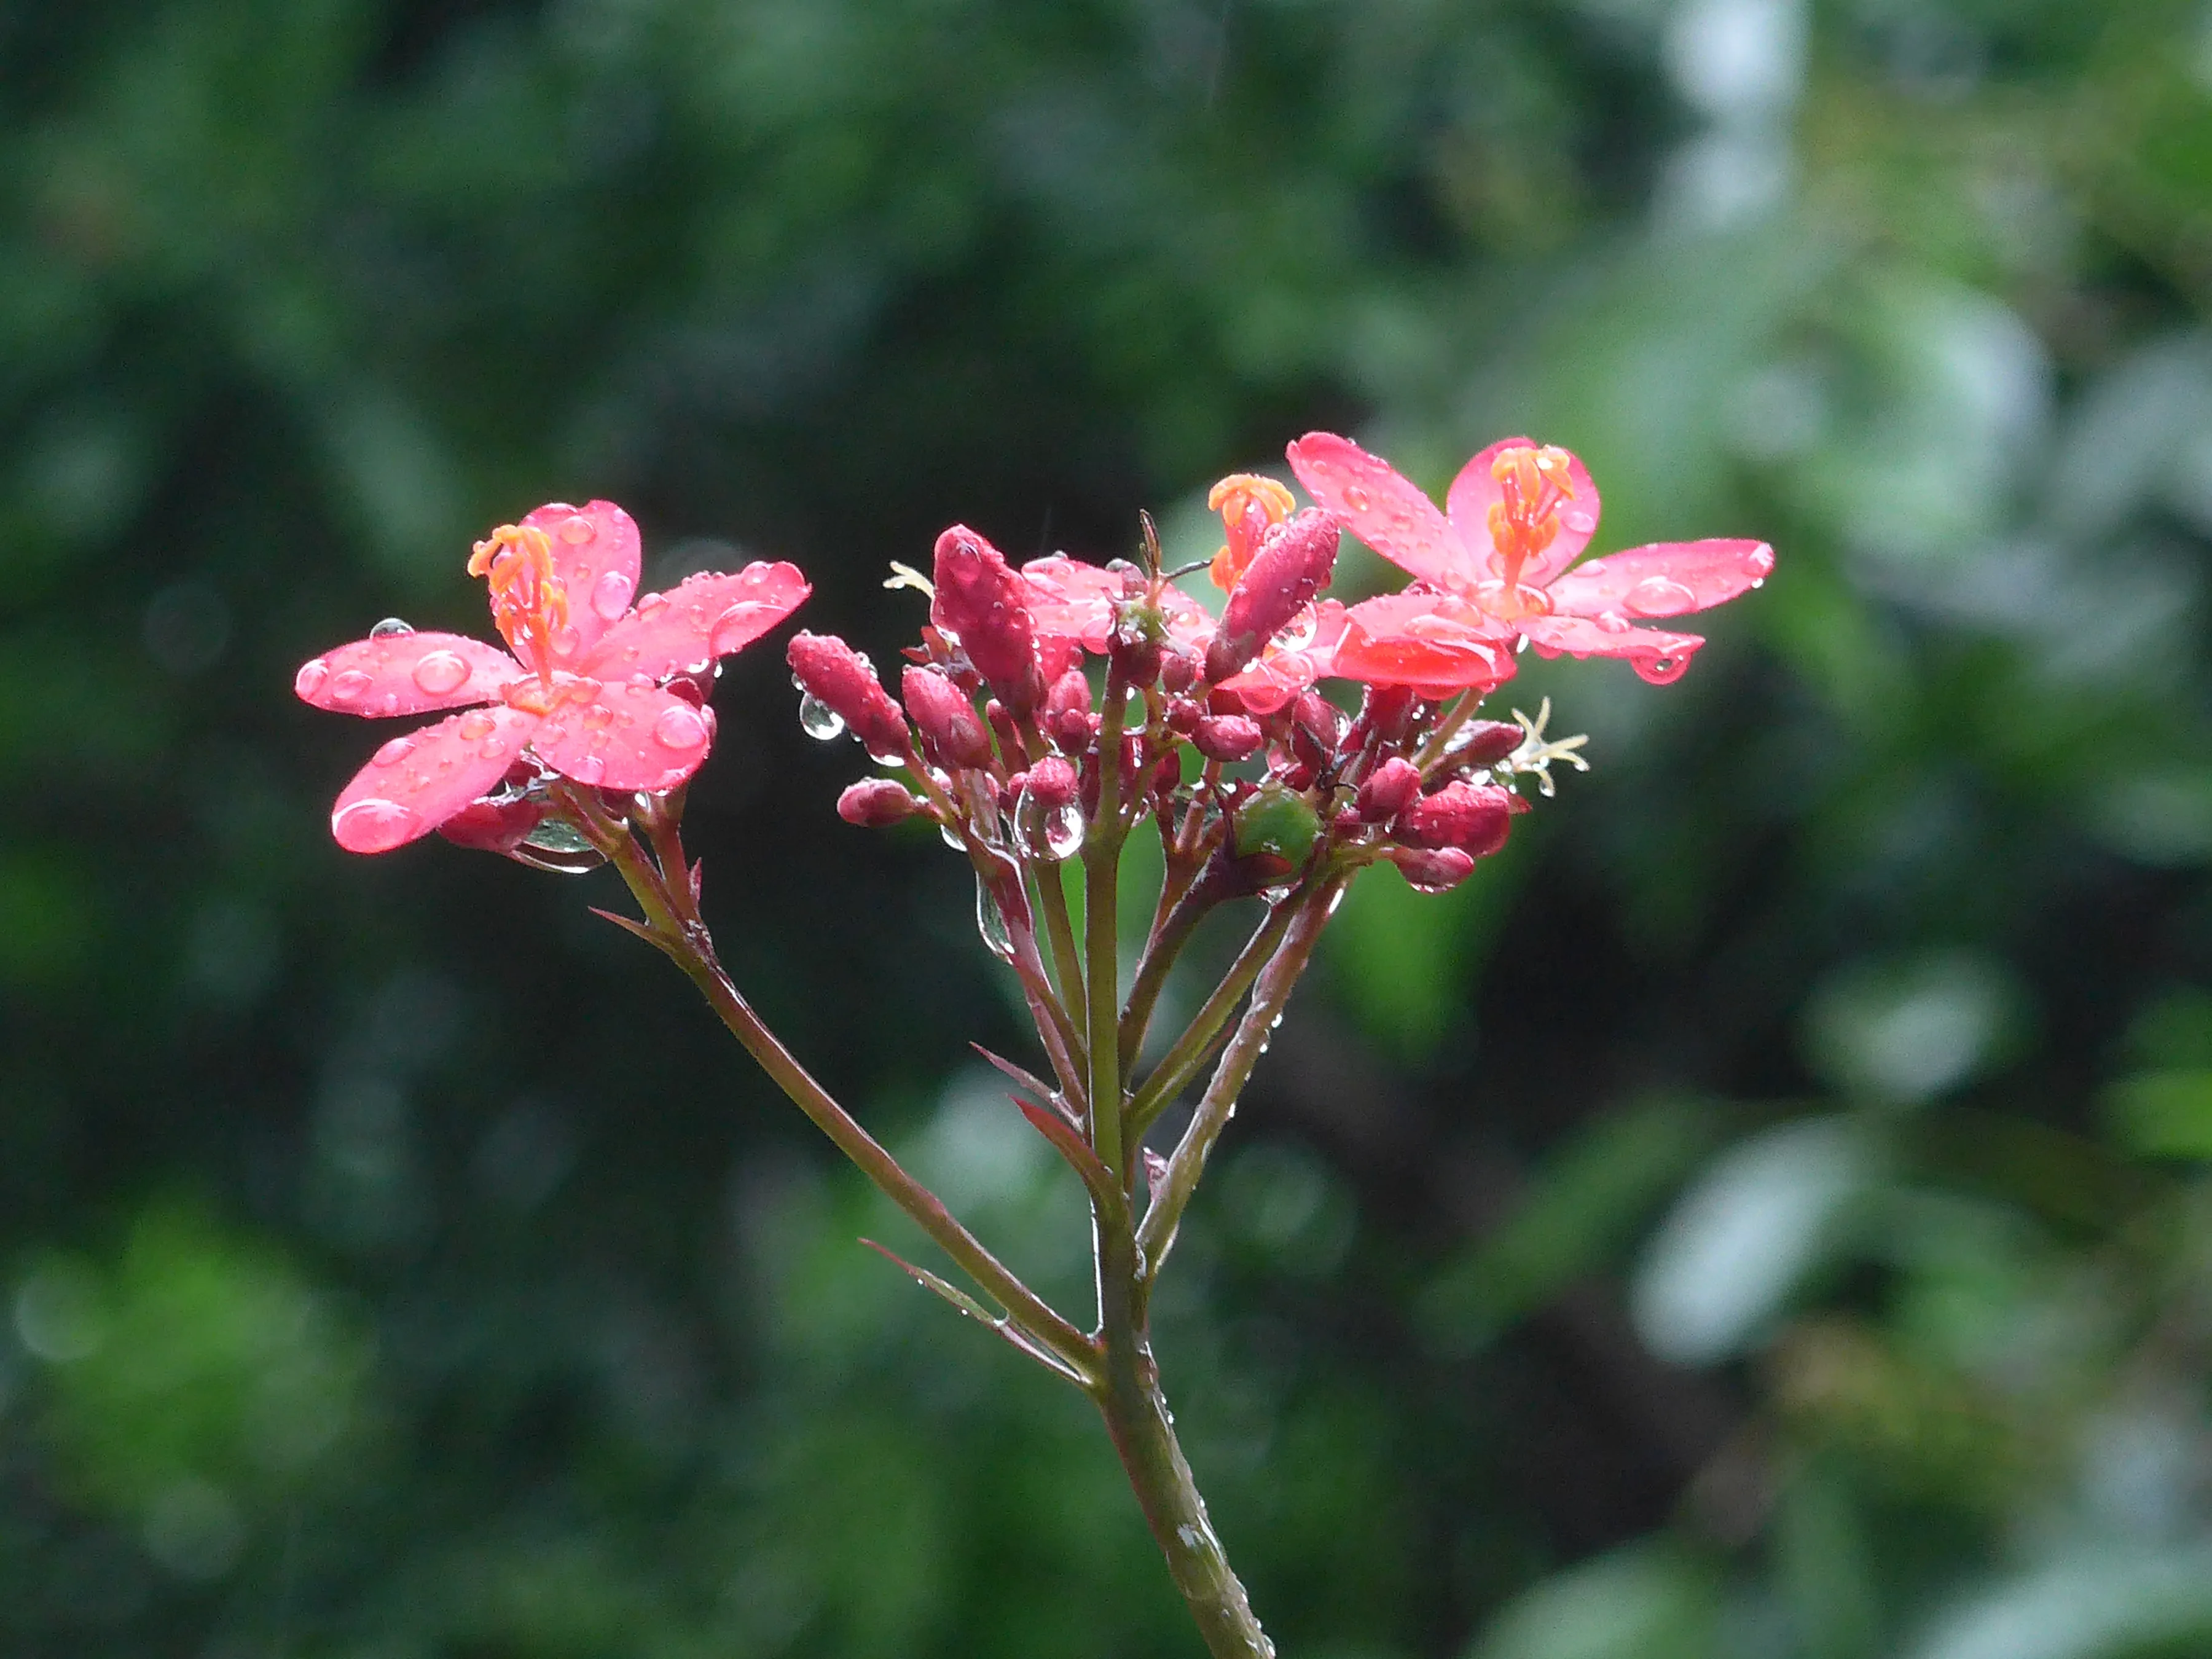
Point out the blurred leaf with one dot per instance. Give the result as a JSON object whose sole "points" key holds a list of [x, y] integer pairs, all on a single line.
{"points": [[2086, 1607], [2162, 1114], [1640, 1604]]}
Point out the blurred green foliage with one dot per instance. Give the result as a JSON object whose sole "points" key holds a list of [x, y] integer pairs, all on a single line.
{"points": [[1767, 1216]]}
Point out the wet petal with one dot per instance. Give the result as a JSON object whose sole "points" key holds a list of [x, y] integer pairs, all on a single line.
{"points": [[704, 617], [1369, 497], [1289, 664], [1668, 580], [1659, 654], [632, 736], [595, 556], [1476, 491], [406, 674], [1074, 603], [418, 781], [1432, 640]]}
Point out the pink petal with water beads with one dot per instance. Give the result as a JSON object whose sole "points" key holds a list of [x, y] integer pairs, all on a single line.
{"points": [[417, 781], [633, 735], [1476, 490], [1372, 498], [406, 674], [595, 555], [702, 618], [1666, 579], [1660, 655], [1435, 641], [1292, 660]]}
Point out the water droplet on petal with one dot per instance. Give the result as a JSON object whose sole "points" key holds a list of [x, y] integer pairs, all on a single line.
{"points": [[440, 671], [391, 629], [1659, 596], [566, 641], [393, 752], [818, 719], [598, 716], [611, 594], [733, 629], [1612, 621], [679, 728], [1579, 520], [587, 768], [309, 680], [577, 530], [350, 686], [370, 825], [1357, 499], [1663, 670], [477, 724]]}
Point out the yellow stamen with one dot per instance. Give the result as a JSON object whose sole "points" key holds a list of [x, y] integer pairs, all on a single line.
{"points": [[1250, 506], [1533, 483], [529, 602]]}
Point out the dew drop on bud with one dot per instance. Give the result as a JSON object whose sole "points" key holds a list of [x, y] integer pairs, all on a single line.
{"points": [[372, 825], [611, 594], [818, 719], [679, 728], [393, 752], [391, 629], [1063, 830], [440, 671], [350, 686], [1659, 596], [991, 921]]}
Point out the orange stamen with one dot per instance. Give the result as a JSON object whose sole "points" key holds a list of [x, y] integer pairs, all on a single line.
{"points": [[1249, 505], [1534, 483], [529, 602]]}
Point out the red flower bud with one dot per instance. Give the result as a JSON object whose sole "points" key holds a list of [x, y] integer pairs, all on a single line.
{"points": [[1067, 718], [1432, 870], [492, 826], [1485, 743], [1178, 672], [1184, 716], [984, 604], [1294, 563], [873, 803], [844, 682], [1051, 782], [1389, 789], [1167, 775], [1470, 816], [1227, 737], [948, 722]]}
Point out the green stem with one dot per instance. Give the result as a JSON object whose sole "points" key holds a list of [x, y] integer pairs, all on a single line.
{"points": [[672, 923], [1067, 960], [1168, 937], [1102, 862], [1188, 1056], [1155, 1237]]}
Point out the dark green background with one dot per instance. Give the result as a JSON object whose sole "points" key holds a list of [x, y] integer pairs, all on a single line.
{"points": [[1763, 1215]]}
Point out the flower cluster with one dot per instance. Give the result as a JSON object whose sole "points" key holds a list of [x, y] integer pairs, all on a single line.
{"points": [[1214, 725], [607, 694]]}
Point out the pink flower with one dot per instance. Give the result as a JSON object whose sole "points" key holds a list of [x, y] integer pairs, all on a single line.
{"points": [[584, 693], [1496, 564]]}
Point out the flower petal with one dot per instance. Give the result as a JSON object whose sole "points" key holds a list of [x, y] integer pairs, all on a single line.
{"points": [[1074, 603], [1369, 497], [703, 617], [1432, 640], [1476, 490], [1284, 669], [418, 780], [632, 736], [1660, 655], [595, 556], [1667, 579], [406, 674]]}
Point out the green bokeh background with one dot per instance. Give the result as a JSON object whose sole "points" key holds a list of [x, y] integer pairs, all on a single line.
{"points": [[1766, 1214]]}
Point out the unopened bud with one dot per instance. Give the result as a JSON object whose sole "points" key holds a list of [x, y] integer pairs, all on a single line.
{"points": [[843, 681], [1319, 718], [1227, 737], [982, 601], [1178, 672], [1167, 775], [1471, 816], [1389, 790], [1432, 869], [1485, 743], [1294, 563], [491, 826], [1278, 822], [948, 722], [1051, 782], [1134, 644], [873, 803], [1067, 720]]}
